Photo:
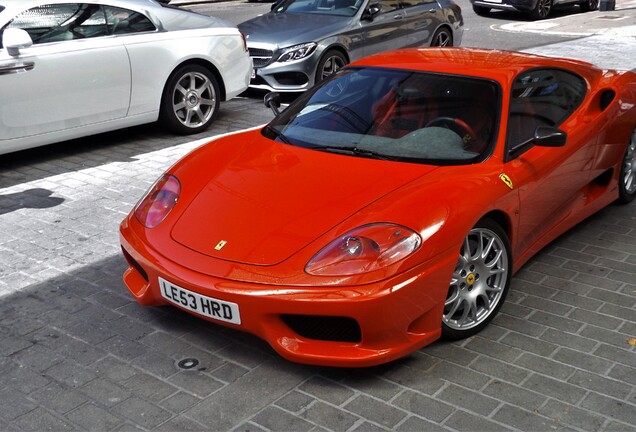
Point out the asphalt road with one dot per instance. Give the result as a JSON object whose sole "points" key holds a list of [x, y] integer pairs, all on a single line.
{"points": [[482, 32]]}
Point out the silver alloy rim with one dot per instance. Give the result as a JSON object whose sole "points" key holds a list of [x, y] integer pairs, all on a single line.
{"points": [[442, 39], [629, 166], [194, 99], [543, 8], [478, 281], [332, 64]]}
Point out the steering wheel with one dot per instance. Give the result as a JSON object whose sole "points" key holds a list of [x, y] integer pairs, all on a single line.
{"points": [[353, 119], [457, 125]]}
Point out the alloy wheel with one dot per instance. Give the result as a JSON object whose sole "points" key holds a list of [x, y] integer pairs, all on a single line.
{"points": [[331, 64], [479, 280], [194, 99], [629, 166], [442, 39], [542, 9]]}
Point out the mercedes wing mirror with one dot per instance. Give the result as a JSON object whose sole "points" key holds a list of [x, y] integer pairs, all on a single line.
{"points": [[14, 39], [371, 11]]}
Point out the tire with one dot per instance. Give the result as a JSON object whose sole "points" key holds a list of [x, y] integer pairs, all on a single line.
{"points": [[627, 179], [190, 100], [480, 281], [442, 38], [330, 62], [589, 5], [541, 10], [481, 10]]}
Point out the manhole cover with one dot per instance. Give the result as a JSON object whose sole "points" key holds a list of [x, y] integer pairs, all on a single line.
{"points": [[610, 17], [188, 363]]}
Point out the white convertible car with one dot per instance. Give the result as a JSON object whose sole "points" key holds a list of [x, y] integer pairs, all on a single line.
{"points": [[74, 69]]}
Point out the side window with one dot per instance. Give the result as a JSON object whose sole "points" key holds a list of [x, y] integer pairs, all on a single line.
{"points": [[388, 5], [124, 21], [411, 3], [542, 97], [60, 22]]}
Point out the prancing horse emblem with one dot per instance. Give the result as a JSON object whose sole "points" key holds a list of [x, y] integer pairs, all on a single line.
{"points": [[220, 245], [504, 178]]}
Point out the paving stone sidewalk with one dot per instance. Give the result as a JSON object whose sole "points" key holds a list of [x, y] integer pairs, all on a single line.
{"points": [[77, 353]]}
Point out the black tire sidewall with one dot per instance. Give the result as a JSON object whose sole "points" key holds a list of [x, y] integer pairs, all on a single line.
{"points": [[166, 112], [481, 10], [587, 7]]}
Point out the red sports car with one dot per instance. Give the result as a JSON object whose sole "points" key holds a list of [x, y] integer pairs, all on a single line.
{"points": [[387, 206]]}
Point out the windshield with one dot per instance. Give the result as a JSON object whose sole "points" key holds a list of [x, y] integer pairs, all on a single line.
{"points": [[394, 114], [322, 7]]}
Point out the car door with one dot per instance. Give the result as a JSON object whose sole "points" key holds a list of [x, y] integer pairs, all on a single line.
{"points": [[551, 180], [78, 75], [421, 20], [384, 30]]}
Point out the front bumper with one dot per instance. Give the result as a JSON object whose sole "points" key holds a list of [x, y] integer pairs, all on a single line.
{"points": [[293, 76], [347, 326]]}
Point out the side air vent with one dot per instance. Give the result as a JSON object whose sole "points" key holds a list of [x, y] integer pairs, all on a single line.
{"points": [[606, 98]]}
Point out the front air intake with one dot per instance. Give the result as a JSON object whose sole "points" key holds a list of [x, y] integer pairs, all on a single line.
{"points": [[325, 328]]}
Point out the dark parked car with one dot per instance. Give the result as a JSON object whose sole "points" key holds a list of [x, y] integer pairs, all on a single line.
{"points": [[535, 9], [300, 42]]}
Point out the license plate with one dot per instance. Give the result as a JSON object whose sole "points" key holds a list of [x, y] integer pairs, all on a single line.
{"points": [[207, 306]]}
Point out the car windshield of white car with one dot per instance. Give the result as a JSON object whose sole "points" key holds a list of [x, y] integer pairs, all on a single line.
{"points": [[322, 7], [394, 114]]}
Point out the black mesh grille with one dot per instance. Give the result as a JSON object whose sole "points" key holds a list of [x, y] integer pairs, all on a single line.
{"points": [[260, 57], [257, 52], [327, 328]]}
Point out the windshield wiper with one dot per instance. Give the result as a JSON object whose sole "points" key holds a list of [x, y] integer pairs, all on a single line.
{"points": [[354, 151], [278, 134]]}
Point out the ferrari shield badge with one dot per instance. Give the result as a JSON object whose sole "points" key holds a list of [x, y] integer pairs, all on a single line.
{"points": [[220, 245], [504, 178]]}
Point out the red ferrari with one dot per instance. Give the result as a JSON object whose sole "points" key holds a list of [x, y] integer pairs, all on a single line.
{"points": [[387, 206]]}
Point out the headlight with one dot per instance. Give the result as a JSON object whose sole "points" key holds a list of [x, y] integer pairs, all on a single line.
{"points": [[297, 52], [158, 201], [365, 249]]}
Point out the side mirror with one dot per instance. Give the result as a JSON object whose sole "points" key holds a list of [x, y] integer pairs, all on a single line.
{"points": [[371, 11], [272, 101], [544, 136], [14, 39]]}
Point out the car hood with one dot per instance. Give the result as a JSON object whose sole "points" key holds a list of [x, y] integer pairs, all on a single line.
{"points": [[287, 29], [264, 201]]}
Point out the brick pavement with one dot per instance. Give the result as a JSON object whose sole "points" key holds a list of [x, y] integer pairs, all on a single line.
{"points": [[76, 353]]}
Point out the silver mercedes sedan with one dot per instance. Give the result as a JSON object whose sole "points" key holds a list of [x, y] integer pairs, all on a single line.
{"points": [[300, 42], [69, 70]]}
